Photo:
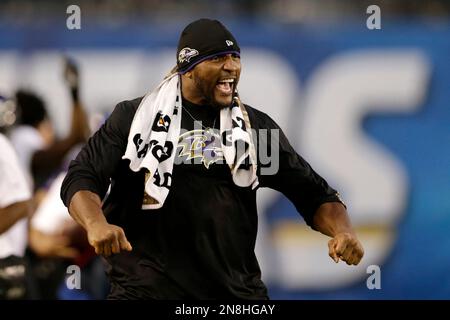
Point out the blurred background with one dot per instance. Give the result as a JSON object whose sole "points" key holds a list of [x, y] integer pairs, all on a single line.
{"points": [[368, 108]]}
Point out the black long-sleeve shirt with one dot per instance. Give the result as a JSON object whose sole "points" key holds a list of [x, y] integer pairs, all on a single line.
{"points": [[201, 243]]}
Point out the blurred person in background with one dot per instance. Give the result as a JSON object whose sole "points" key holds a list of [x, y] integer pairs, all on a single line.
{"points": [[15, 208], [57, 240], [42, 157], [199, 239], [33, 136], [56, 236]]}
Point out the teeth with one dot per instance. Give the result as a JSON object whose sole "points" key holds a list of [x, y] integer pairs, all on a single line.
{"points": [[227, 80]]}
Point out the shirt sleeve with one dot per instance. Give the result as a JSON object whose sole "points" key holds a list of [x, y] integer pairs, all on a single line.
{"points": [[26, 141], [295, 178], [99, 159], [14, 186]]}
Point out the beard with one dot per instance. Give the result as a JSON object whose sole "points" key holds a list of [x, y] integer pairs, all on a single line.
{"points": [[208, 90]]}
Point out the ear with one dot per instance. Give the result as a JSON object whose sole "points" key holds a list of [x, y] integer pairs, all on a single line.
{"points": [[188, 74]]}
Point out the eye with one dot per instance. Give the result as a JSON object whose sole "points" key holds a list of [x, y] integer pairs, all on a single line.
{"points": [[235, 56], [215, 58]]}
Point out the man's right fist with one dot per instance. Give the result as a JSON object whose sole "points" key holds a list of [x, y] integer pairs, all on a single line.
{"points": [[108, 239]]}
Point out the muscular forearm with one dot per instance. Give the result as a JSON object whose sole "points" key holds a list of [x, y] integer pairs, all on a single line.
{"points": [[85, 208], [331, 219], [13, 213], [107, 239]]}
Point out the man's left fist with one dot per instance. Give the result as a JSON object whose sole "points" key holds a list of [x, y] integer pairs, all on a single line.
{"points": [[345, 246]]}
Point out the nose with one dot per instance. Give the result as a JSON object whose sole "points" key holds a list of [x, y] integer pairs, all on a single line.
{"points": [[231, 63]]}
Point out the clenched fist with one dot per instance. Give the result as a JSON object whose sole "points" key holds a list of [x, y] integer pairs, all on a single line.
{"points": [[107, 239], [345, 246]]}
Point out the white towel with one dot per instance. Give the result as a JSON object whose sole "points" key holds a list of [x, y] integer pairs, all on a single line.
{"points": [[153, 147]]}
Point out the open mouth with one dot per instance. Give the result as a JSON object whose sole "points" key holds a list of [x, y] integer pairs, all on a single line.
{"points": [[225, 86]]}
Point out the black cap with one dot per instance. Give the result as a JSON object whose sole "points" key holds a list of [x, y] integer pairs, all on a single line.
{"points": [[201, 40]]}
